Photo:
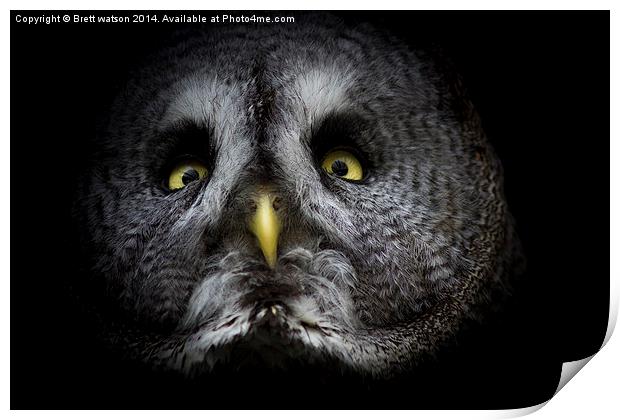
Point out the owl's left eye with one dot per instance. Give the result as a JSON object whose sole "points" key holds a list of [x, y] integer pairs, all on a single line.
{"points": [[185, 172], [343, 164]]}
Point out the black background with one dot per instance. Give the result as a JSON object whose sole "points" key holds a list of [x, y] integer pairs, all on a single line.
{"points": [[540, 81]]}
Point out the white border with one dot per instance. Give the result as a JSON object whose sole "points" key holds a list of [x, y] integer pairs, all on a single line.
{"points": [[594, 394], [316, 5]]}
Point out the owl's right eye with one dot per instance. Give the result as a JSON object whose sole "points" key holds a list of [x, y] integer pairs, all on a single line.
{"points": [[186, 171]]}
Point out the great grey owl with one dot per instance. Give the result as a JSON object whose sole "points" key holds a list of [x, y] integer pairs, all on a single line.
{"points": [[309, 193]]}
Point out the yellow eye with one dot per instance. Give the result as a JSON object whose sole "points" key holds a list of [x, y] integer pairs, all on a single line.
{"points": [[186, 171], [343, 164]]}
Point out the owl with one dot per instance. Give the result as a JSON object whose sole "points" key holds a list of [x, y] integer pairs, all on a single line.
{"points": [[311, 194]]}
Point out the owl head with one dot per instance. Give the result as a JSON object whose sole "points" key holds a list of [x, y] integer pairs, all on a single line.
{"points": [[308, 193]]}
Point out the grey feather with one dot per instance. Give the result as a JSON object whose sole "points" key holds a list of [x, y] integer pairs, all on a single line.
{"points": [[376, 275]]}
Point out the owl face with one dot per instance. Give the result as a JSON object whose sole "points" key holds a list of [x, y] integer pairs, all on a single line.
{"points": [[301, 193]]}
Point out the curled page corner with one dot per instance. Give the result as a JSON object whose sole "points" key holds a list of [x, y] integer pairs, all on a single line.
{"points": [[570, 369], [520, 412]]}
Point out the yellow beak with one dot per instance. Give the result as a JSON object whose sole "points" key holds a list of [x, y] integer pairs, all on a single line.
{"points": [[266, 227]]}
